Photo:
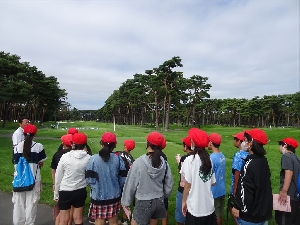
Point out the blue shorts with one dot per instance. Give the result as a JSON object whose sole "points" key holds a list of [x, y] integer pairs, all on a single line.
{"points": [[179, 217], [243, 222]]}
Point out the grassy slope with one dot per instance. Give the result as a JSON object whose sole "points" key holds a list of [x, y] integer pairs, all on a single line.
{"points": [[138, 134]]}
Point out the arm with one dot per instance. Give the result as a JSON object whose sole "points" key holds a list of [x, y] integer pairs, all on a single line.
{"points": [[288, 174], [169, 182], [236, 180], [186, 190], [91, 175], [53, 178], [131, 184], [58, 177]]}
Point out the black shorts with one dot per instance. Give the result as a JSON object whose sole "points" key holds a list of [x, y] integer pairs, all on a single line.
{"points": [[76, 198], [292, 217], [207, 220]]}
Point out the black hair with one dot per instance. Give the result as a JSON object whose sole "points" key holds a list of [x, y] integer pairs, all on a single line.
{"points": [[185, 145], [155, 155], [256, 148], [106, 150], [21, 118], [215, 145], [79, 146], [27, 146], [206, 165], [288, 147], [236, 139]]}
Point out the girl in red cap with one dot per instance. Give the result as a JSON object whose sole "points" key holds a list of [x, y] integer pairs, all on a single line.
{"points": [[25, 203], [253, 201], [105, 173], [290, 167], [197, 200], [149, 181]]}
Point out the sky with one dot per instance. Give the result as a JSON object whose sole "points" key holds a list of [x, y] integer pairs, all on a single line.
{"points": [[245, 48]]}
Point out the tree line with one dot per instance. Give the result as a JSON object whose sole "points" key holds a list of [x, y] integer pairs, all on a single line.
{"points": [[162, 96], [27, 91]]}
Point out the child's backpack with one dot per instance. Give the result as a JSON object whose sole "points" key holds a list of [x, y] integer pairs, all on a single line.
{"points": [[23, 180], [298, 180], [127, 158]]}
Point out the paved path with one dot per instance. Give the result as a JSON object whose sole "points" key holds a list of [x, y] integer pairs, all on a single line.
{"points": [[44, 212]]}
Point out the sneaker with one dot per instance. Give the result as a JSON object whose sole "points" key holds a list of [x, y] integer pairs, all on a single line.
{"points": [[124, 223], [91, 221]]}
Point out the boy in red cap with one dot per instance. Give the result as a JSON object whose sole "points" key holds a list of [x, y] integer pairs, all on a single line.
{"points": [[238, 162], [129, 145], [253, 201], [219, 167], [290, 167]]}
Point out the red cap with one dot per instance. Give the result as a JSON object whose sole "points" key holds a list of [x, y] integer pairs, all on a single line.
{"points": [[215, 138], [290, 141], [258, 135], [109, 137], [79, 138], [30, 129], [72, 130], [187, 141], [129, 144], [199, 137], [156, 138], [67, 139], [239, 136], [164, 144]]}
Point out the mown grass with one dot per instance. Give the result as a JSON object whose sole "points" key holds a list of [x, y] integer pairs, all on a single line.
{"points": [[50, 138]]}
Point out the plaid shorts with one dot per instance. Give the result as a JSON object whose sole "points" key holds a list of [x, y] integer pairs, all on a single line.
{"points": [[104, 211]]}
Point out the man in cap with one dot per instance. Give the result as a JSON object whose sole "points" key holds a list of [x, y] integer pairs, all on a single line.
{"points": [[18, 135], [290, 167], [219, 167]]}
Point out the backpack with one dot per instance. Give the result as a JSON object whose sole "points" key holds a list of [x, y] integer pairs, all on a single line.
{"points": [[127, 158], [298, 180], [24, 180]]}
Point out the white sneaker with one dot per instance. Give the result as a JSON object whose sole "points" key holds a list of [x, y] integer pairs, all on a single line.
{"points": [[125, 223]]}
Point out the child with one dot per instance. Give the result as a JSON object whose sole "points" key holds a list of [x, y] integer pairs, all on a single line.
{"points": [[290, 166], [129, 145], [186, 147], [219, 167], [238, 162]]}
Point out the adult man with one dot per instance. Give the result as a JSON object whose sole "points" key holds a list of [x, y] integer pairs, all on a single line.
{"points": [[18, 135]]}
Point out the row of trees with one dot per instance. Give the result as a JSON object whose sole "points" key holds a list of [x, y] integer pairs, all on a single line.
{"points": [[27, 91], [162, 96]]}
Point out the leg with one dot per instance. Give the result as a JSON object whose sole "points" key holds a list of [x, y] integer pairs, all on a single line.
{"points": [[32, 198], [164, 221], [71, 215], [113, 220], [219, 220], [57, 220], [64, 216], [19, 208], [153, 221], [77, 215], [99, 221], [133, 222]]}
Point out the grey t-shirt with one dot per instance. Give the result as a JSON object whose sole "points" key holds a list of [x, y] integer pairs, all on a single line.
{"points": [[289, 161]]}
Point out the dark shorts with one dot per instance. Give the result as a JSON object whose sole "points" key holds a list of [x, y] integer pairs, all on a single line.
{"points": [[207, 220], [284, 218], [145, 210], [75, 198]]}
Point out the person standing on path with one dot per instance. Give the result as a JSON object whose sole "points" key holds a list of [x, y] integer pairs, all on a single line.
{"points": [[18, 135], [25, 203]]}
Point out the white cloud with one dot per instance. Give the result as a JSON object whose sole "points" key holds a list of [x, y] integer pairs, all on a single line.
{"points": [[246, 48]]}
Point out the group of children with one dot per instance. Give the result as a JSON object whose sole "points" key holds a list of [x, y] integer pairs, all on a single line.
{"points": [[116, 179]]}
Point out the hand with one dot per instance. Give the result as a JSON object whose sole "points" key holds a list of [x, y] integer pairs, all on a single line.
{"points": [[41, 164], [235, 212], [282, 197], [184, 208]]}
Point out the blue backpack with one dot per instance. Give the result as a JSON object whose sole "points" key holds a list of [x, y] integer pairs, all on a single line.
{"points": [[24, 180], [298, 181]]}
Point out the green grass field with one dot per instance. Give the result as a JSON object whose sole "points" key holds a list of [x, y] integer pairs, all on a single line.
{"points": [[50, 138]]}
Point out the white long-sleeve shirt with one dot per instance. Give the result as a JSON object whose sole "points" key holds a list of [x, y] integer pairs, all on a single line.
{"points": [[70, 172]]}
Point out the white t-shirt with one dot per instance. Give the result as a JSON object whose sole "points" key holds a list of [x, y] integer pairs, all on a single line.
{"points": [[200, 201], [18, 136]]}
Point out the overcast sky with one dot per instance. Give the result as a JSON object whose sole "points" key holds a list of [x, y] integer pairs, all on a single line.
{"points": [[245, 48]]}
